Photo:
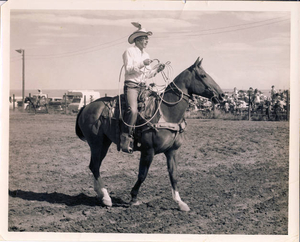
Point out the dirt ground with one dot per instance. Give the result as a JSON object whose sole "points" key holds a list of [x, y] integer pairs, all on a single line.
{"points": [[232, 174]]}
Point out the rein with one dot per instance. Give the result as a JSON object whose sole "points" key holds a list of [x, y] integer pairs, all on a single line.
{"points": [[171, 87], [120, 109], [182, 95], [215, 96]]}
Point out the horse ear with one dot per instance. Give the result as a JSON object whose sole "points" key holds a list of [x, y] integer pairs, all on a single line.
{"points": [[196, 62], [200, 62]]}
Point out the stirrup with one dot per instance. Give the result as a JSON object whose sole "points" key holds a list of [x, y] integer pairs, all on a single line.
{"points": [[126, 143]]}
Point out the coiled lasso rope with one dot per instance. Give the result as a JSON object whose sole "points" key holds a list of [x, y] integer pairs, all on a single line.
{"points": [[166, 79]]}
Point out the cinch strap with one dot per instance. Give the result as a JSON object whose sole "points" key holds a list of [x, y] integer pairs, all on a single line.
{"points": [[172, 126]]}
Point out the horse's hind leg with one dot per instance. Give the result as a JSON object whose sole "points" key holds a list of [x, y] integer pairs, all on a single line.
{"points": [[98, 152], [145, 162], [34, 108], [172, 169]]}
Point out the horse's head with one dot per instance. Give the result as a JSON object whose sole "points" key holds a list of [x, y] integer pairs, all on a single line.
{"points": [[27, 99], [200, 83]]}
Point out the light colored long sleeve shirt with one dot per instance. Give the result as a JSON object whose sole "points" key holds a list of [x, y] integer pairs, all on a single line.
{"points": [[135, 70]]}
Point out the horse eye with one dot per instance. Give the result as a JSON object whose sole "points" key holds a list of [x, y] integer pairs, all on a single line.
{"points": [[203, 75]]}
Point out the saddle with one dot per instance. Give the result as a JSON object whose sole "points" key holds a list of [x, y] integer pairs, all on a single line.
{"points": [[147, 105], [149, 116], [147, 108]]}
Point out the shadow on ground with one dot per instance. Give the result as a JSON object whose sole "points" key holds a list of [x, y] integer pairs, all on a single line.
{"points": [[60, 198]]}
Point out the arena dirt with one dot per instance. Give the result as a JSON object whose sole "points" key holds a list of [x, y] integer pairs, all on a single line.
{"points": [[232, 174]]}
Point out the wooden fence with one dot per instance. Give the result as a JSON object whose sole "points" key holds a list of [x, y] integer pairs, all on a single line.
{"points": [[214, 113]]}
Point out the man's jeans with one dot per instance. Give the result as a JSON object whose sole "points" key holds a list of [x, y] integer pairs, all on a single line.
{"points": [[132, 91]]}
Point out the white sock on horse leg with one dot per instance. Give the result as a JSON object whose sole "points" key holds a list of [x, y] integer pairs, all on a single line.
{"points": [[182, 205], [175, 195], [105, 193], [106, 198], [102, 193]]}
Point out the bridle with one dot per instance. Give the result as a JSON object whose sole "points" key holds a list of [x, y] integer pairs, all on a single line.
{"points": [[185, 96], [215, 94], [182, 95], [171, 87]]}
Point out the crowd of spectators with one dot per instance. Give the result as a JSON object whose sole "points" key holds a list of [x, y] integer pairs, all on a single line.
{"points": [[239, 101]]}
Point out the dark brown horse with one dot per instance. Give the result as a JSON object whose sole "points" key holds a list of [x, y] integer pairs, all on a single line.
{"points": [[36, 103], [166, 136]]}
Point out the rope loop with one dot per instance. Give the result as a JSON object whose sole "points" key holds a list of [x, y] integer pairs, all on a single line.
{"points": [[166, 73]]}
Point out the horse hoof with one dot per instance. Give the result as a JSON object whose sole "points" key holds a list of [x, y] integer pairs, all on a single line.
{"points": [[135, 203], [107, 202], [184, 207]]}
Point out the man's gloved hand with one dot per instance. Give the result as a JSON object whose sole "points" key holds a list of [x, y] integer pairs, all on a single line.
{"points": [[160, 68], [147, 62]]}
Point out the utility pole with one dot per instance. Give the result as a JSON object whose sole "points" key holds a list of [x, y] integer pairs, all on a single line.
{"points": [[250, 92], [22, 51]]}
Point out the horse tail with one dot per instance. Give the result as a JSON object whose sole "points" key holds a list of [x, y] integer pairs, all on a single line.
{"points": [[77, 128]]}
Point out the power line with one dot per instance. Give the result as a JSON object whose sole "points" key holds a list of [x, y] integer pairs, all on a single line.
{"points": [[69, 54], [81, 50], [249, 27], [183, 34], [227, 31], [227, 27], [78, 52]]}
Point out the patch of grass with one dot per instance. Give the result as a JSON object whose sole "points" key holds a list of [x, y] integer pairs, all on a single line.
{"points": [[214, 115], [229, 116]]}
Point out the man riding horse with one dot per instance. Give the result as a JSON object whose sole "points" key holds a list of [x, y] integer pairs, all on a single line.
{"points": [[38, 99], [137, 69]]}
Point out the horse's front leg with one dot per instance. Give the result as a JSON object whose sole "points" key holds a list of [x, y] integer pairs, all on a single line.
{"points": [[145, 162], [98, 152], [172, 169]]}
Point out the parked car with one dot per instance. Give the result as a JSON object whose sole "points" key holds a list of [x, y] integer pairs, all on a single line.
{"points": [[79, 98], [17, 99], [56, 102]]}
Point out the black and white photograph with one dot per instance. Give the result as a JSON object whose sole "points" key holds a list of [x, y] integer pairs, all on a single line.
{"points": [[150, 121]]}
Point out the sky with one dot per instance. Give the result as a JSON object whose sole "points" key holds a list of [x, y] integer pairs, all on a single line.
{"points": [[72, 49]]}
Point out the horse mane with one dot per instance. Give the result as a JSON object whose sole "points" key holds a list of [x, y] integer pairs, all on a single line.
{"points": [[191, 68], [184, 72]]}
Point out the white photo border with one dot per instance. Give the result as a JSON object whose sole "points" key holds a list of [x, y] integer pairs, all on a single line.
{"points": [[292, 7]]}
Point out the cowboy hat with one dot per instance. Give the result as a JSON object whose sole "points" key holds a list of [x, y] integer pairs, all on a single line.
{"points": [[138, 33]]}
